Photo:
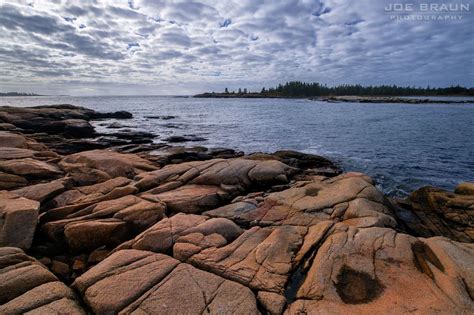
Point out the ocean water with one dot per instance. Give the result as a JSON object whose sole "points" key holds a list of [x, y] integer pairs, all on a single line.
{"points": [[402, 146]]}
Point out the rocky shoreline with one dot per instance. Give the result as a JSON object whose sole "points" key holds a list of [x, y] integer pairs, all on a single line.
{"points": [[340, 99], [386, 99], [115, 223]]}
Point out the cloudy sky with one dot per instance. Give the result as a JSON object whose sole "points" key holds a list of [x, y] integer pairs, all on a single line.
{"points": [[184, 47]]}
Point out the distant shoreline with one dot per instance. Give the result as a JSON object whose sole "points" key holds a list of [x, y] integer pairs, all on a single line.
{"points": [[13, 94], [347, 98]]}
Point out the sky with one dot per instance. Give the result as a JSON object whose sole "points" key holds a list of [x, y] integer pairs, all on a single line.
{"points": [[144, 47]]}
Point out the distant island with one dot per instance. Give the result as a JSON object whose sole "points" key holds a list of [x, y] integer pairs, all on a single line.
{"points": [[315, 90], [18, 94]]}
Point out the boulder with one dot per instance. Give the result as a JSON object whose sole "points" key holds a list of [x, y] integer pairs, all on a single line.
{"points": [[18, 219], [133, 281], [26, 286], [94, 166]]}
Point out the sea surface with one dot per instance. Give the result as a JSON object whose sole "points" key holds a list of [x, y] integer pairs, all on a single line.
{"points": [[402, 146]]}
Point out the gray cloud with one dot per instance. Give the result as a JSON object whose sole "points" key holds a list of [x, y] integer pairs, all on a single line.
{"points": [[208, 44]]}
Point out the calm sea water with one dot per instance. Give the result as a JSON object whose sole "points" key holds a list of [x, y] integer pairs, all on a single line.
{"points": [[402, 146]]}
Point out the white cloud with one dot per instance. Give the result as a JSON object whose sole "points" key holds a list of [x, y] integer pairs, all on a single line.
{"points": [[207, 45]]}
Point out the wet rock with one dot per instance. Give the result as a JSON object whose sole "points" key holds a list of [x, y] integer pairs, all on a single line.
{"points": [[167, 117], [134, 136], [18, 219], [436, 212], [140, 281], [190, 138], [115, 125], [121, 114], [27, 286], [90, 167], [66, 119], [361, 270]]}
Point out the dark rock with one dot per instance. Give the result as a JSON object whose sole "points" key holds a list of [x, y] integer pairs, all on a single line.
{"points": [[72, 121], [134, 136], [190, 138], [60, 269], [161, 117], [116, 115], [431, 211], [115, 125]]}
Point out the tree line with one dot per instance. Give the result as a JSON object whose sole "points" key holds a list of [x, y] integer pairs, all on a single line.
{"points": [[18, 94], [304, 89]]}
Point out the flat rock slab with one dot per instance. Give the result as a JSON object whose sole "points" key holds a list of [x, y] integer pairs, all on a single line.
{"points": [[18, 220], [26, 286], [138, 282]]}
